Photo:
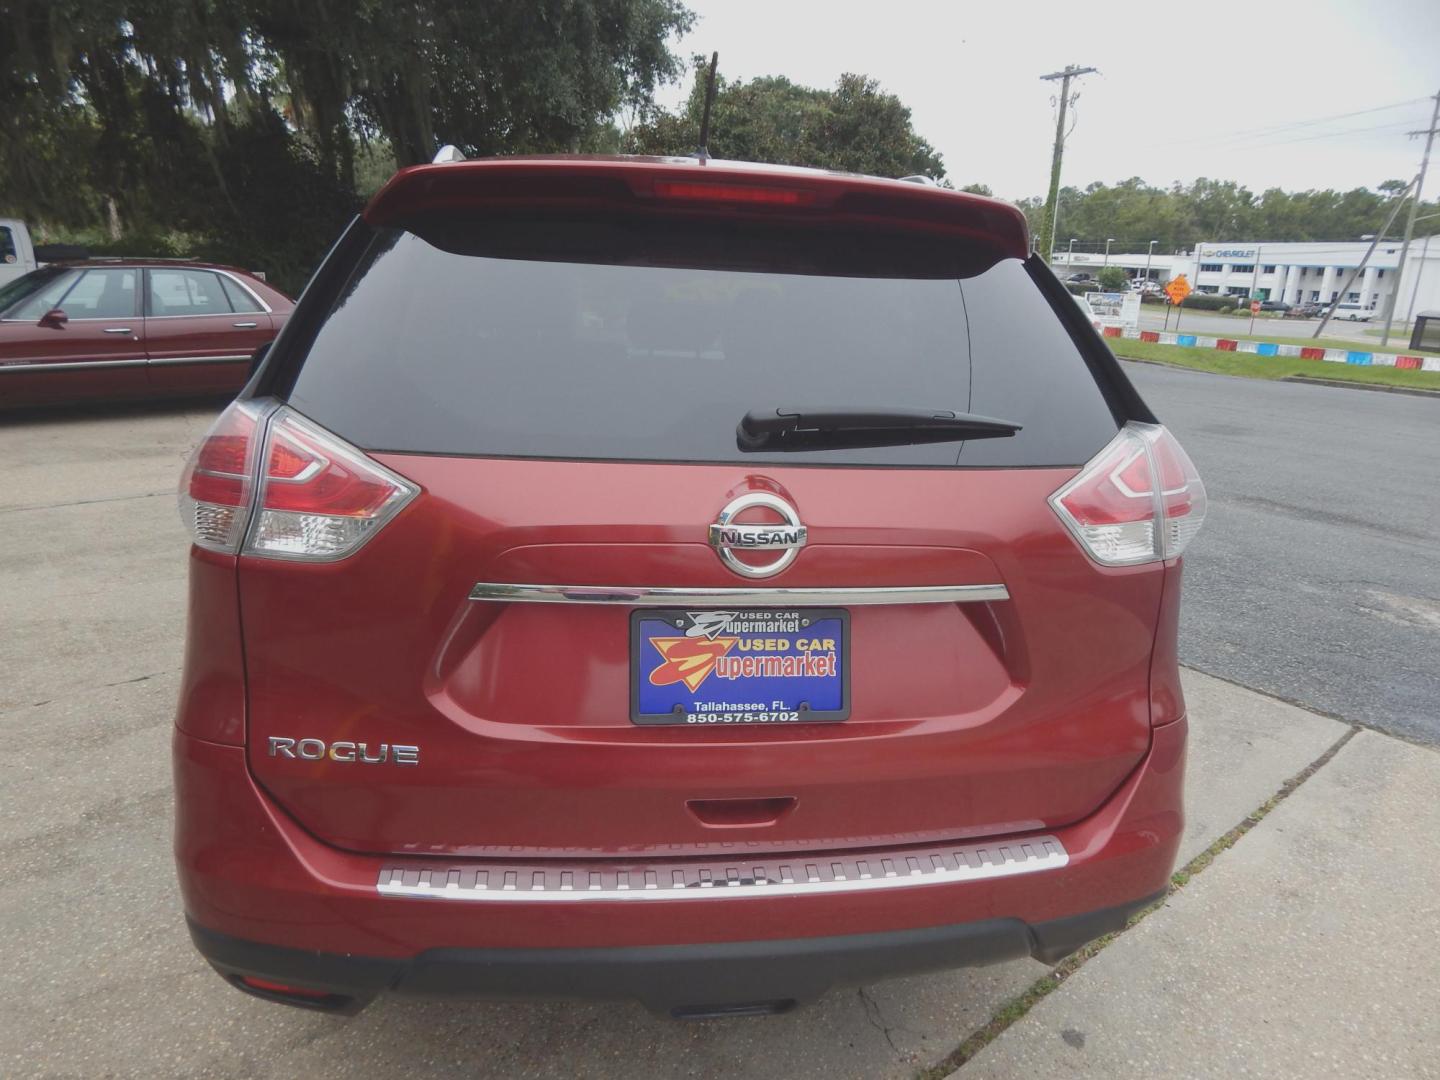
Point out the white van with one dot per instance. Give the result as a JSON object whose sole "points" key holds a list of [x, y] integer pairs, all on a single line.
{"points": [[17, 255], [1353, 312]]}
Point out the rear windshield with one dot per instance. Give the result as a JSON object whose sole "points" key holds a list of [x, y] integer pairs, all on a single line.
{"points": [[650, 341]]}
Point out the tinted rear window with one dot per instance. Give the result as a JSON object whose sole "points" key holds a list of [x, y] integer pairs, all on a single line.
{"points": [[649, 341]]}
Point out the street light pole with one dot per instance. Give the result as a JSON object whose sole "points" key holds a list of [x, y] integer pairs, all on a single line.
{"points": [[1070, 258], [1148, 254], [1108, 241]]}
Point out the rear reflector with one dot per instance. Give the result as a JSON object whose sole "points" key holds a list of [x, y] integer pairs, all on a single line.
{"points": [[1138, 500], [315, 499], [751, 194], [269, 986]]}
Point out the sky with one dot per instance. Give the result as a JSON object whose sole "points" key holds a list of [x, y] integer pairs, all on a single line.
{"points": [[1252, 93]]}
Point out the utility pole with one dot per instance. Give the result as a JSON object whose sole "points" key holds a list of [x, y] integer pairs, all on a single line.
{"points": [[1429, 134], [1052, 201], [1399, 202]]}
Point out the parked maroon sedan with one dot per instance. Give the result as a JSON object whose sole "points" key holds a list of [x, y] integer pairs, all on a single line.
{"points": [[110, 330]]}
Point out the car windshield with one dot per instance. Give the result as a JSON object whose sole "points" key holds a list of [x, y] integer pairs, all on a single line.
{"points": [[25, 286]]}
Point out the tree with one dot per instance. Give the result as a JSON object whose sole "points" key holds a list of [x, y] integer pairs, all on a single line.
{"points": [[856, 127], [230, 125], [1177, 218], [1112, 278]]}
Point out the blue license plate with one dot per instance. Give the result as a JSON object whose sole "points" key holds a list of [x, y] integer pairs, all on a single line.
{"points": [[737, 668]]}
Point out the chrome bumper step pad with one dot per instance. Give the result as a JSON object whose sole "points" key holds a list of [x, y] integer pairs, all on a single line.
{"points": [[706, 879]]}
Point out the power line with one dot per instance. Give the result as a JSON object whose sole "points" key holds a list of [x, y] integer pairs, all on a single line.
{"points": [[1267, 129], [1256, 142], [1379, 129]]}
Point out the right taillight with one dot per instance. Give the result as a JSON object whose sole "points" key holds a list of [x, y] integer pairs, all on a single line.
{"points": [[304, 494], [1138, 500]]}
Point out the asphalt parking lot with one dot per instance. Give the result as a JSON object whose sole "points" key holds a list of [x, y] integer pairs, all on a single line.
{"points": [[103, 981], [1317, 577]]}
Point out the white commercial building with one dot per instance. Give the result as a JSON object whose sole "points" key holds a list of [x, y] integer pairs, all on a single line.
{"points": [[1295, 273]]}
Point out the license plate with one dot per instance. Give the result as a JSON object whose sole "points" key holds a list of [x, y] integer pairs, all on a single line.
{"points": [[738, 668]]}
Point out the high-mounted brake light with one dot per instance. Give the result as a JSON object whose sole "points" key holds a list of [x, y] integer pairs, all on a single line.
{"points": [[1138, 500], [318, 498], [709, 191]]}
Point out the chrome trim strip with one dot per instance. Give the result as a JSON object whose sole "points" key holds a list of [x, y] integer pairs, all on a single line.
{"points": [[75, 318], [73, 365], [204, 315], [621, 595], [808, 875], [231, 359], [89, 365]]}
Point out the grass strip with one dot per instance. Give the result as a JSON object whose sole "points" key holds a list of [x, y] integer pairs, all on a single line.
{"points": [[1016, 1008], [1254, 366]]}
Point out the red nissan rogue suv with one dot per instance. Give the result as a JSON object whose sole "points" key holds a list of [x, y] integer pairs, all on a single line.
{"points": [[676, 580]]}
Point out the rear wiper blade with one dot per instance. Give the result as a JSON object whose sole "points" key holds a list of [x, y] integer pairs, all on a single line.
{"points": [[834, 427]]}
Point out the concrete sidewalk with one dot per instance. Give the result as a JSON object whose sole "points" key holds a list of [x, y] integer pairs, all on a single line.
{"points": [[1308, 949]]}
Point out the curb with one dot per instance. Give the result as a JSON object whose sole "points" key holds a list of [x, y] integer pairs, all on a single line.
{"points": [[1313, 380], [1413, 391], [1360, 358], [1183, 367]]}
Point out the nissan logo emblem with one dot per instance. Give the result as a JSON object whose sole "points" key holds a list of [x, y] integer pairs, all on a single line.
{"points": [[787, 538]]}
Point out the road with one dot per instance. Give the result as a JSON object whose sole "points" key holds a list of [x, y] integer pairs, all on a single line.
{"points": [[1202, 322], [1317, 575]]}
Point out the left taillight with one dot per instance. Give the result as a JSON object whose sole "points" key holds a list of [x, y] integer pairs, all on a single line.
{"points": [[320, 499], [312, 496], [217, 488]]}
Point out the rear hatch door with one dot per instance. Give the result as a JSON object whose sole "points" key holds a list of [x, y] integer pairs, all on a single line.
{"points": [[938, 660]]}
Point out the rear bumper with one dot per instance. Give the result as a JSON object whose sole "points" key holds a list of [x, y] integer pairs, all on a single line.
{"points": [[720, 978], [266, 899]]}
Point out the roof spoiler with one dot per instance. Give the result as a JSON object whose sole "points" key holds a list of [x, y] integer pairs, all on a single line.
{"points": [[679, 184]]}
